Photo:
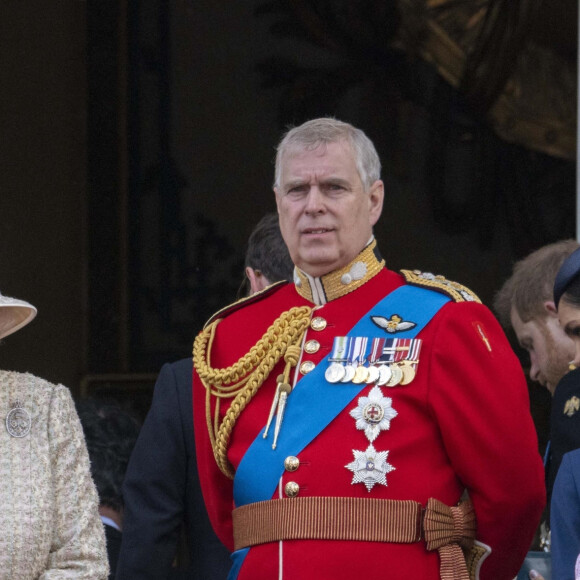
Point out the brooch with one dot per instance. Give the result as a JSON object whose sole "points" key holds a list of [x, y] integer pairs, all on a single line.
{"points": [[18, 421]]}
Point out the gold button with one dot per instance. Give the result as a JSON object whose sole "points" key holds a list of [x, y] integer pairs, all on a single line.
{"points": [[318, 323], [306, 367], [312, 346], [291, 489], [291, 463]]}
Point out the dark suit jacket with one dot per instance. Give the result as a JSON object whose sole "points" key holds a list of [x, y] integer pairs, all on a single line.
{"points": [[113, 538], [161, 490], [565, 517], [564, 423]]}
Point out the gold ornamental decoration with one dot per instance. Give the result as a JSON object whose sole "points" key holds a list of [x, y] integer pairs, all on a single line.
{"points": [[242, 380]]}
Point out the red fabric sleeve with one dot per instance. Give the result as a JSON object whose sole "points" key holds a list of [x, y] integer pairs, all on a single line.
{"points": [[479, 396]]}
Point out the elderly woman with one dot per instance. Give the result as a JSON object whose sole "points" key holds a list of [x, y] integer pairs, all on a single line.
{"points": [[49, 522]]}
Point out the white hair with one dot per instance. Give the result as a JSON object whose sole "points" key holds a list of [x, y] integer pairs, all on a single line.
{"points": [[317, 132]]}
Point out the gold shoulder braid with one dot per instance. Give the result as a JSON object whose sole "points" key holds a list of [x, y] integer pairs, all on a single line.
{"points": [[242, 380], [454, 290]]}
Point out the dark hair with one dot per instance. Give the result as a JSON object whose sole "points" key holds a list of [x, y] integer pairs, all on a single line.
{"points": [[110, 434], [572, 293], [267, 251], [567, 283]]}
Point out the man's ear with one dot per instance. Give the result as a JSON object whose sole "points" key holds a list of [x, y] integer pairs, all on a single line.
{"points": [[253, 279], [550, 308], [376, 197], [257, 280]]}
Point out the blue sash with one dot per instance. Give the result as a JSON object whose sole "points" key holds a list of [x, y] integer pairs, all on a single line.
{"points": [[314, 402]]}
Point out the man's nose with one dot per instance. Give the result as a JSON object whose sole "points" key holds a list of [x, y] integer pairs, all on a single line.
{"points": [[315, 201]]}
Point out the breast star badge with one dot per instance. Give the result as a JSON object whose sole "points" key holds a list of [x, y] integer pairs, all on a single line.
{"points": [[373, 413], [370, 467]]}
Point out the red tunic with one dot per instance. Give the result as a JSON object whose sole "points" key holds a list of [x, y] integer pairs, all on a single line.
{"points": [[462, 423]]}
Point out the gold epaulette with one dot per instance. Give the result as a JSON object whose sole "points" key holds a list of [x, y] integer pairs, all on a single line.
{"points": [[223, 312], [454, 290]]}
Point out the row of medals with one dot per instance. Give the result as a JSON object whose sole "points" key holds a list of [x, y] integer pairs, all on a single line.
{"points": [[387, 374]]}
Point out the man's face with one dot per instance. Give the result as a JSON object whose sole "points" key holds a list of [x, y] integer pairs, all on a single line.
{"points": [[549, 348], [326, 217]]}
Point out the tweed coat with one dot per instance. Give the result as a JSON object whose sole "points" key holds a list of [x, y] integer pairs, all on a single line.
{"points": [[49, 522]]}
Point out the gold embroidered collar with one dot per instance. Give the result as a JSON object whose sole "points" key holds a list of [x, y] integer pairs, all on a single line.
{"points": [[340, 282]]}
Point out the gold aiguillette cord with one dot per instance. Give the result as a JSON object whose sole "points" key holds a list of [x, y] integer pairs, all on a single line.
{"points": [[283, 389]]}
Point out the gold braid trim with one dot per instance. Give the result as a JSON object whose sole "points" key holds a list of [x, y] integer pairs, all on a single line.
{"points": [[242, 380], [454, 290], [341, 282]]}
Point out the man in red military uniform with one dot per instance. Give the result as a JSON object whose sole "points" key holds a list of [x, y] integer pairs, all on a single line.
{"points": [[360, 421]]}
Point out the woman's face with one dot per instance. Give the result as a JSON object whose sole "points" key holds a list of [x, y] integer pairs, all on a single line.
{"points": [[569, 317]]}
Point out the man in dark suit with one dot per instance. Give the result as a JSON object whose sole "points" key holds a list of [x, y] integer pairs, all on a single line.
{"points": [[161, 489]]}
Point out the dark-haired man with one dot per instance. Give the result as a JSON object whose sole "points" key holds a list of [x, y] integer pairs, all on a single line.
{"points": [[267, 257]]}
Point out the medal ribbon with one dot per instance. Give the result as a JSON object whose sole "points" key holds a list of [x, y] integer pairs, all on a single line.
{"points": [[402, 350], [360, 349], [376, 348], [339, 348], [415, 350], [388, 354], [350, 340]]}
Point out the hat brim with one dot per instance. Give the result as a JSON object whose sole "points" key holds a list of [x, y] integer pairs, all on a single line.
{"points": [[14, 316]]}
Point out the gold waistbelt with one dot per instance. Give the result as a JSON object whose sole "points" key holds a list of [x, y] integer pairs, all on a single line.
{"points": [[443, 528]]}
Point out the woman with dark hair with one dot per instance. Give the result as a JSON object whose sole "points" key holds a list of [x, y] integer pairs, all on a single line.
{"points": [[567, 300], [565, 505], [49, 523]]}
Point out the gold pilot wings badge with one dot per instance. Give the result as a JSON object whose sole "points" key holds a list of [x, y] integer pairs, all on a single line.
{"points": [[393, 324]]}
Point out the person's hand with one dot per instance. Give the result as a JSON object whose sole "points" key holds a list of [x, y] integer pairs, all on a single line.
{"points": [[533, 575]]}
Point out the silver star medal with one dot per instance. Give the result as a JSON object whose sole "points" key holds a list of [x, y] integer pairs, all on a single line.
{"points": [[370, 467], [373, 413]]}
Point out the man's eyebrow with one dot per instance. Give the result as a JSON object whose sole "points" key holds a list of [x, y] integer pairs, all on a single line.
{"points": [[330, 180], [294, 183], [335, 180]]}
